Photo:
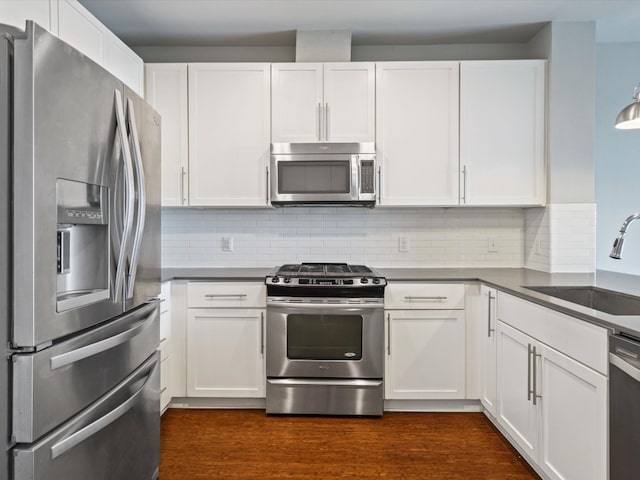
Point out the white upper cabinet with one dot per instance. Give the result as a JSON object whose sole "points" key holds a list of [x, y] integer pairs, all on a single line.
{"points": [[330, 102], [417, 133], [349, 102], [229, 126], [125, 64], [166, 90], [16, 13], [82, 31], [502, 132], [74, 24], [297, 102]]}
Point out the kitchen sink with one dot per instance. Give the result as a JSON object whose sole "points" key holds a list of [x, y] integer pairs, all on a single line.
{"points": [[614, 303]]}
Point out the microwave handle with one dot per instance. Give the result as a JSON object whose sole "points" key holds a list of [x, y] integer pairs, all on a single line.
{"points": [[355, 177]]}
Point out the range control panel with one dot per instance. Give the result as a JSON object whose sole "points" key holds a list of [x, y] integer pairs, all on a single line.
{"points": [[321, 282]]}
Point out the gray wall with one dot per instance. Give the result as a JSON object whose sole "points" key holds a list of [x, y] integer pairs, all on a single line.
{"points": [[571, 112], [485, 51], [617, 154]]}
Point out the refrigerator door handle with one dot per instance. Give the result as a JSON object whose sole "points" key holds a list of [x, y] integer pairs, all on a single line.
{"points": [[129, 196], [142, 198], [74, 439], [98, 347]]}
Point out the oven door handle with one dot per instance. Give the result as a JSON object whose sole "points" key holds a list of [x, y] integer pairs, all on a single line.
{"points": [[334, 381], [324, 306]]}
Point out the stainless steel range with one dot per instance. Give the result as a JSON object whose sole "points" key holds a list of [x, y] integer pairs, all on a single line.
{"points": [[325, 339]]}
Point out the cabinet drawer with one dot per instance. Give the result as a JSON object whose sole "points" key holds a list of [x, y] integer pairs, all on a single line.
{"points": [[226, 295], [424, 296], [583, 341]]}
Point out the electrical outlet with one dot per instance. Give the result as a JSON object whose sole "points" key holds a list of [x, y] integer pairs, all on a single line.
{"points": [[492, 245], [227, 244], [403, 244], [537, 248]]}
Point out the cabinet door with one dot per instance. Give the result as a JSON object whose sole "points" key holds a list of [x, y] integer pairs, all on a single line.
{"points": [[502, 141], [425, 354], [229, 129], [297, 102], [83, 31], [166, 90], [574, 419], [16, 13], [417, 132], [516, 412], [225, 353], [125, 64], [488, 395], [349, 102]]}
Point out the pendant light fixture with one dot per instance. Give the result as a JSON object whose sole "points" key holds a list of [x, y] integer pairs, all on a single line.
{"points": [[629, 117]]}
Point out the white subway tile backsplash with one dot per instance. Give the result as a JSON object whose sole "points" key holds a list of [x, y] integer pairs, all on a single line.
{"points": [[437, 237]]}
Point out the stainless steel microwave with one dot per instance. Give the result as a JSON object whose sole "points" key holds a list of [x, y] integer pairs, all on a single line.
{"points": [[323, 174]]}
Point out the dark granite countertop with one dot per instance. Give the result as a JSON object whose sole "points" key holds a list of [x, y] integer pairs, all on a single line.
{"points": [[509, 280]]}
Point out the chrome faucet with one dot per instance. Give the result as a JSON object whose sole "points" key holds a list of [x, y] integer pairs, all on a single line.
{"points": [[616, 251]]}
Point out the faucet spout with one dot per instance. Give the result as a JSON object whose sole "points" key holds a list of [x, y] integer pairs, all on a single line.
{"points": [[618, 243]]}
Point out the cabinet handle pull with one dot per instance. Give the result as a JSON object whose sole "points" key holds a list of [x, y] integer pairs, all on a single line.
{"points": [[529, 389], [326, 122], [268, 196], [535, 376], [489, 329], [379, 184], [261, 333], [226, 295], [319, 122], [183, 172], [436, 299], [464, 184], [388, 334]]}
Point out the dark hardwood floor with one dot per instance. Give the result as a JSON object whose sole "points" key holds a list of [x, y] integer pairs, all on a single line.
{"points": [[248, 444]]}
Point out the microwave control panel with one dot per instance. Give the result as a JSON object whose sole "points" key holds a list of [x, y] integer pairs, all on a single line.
{"points": [[367, 176]]}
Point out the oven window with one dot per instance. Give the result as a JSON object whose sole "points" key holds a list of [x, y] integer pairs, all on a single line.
{"points": [[324, 337], [314, 177]]}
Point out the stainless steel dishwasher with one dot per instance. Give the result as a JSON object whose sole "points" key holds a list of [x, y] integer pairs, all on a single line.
{"points": [[624, 407]]}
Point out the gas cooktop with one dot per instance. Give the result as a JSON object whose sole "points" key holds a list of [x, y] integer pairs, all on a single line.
{"points": [[325, 269], [324, 275]]}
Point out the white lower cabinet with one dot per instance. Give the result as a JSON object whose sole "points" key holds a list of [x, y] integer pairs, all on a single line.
{"points": [[225, 353], [425, 355], [488, 350], [166, 391], [553, 407], [425, 345]]}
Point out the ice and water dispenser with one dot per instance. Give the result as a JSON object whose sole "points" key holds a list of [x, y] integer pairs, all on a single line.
{"points": [[83, 275]]}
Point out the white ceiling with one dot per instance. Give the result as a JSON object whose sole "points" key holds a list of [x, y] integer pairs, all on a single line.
{"points": [[372, 22]]}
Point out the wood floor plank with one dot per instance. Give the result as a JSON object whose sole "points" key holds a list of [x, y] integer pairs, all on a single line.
{"points": [[248, 444]]}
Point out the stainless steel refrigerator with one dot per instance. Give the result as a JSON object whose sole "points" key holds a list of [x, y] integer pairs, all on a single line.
{"points": [[79, 267]]}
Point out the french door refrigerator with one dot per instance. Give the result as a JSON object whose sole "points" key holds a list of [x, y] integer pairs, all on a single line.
{"points": [[79, 267]]}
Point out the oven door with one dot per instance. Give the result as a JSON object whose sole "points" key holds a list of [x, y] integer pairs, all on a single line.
{"points": [[330, 341]]}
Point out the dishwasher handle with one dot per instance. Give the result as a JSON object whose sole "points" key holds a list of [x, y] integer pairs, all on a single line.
{"points": [[625, 366]]}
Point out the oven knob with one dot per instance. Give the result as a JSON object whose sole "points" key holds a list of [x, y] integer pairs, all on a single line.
{"points": [[376, 280], [364, 280], [287, 279], [275, 280]]}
